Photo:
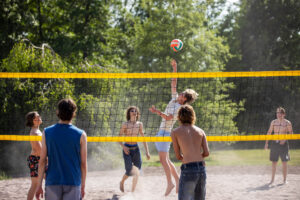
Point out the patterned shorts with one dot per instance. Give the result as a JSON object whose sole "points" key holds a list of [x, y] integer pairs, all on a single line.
{"points": [[33, 164]]}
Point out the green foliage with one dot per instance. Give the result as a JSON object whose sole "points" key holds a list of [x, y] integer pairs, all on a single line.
{"points": [[264, 36], [3, 176]]}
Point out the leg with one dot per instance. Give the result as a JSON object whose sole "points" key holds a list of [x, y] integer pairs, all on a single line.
{"points": [[122, 182], [137, 164], [284, 171], [200, 190], [285, 157], [274, 156], [71, 192], [32, 189], [274, 164], [128, 168], [174, 172], [164, 161], [135, 172], [187, 186], [54, 192]]}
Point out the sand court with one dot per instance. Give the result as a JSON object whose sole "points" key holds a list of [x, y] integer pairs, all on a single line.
{"points": [[246, 182]]}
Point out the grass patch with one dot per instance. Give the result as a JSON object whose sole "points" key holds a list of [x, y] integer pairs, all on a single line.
{"points": [[234, 158], [3, 176]]}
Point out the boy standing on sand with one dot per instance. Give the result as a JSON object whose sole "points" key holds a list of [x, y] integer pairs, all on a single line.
{"points": [[279, 148], [65, 145], [34, 120], [131, 151]]}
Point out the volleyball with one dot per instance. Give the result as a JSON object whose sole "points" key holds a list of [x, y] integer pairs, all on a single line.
{"points": [[176, 45]]}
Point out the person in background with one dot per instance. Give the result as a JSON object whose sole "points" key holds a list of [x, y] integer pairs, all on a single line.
{"points": [[131, 152], [34, 120], [279, 148]]}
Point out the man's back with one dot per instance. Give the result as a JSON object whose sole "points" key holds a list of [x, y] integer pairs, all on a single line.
{"points": [[190, 141], [63, 151]]}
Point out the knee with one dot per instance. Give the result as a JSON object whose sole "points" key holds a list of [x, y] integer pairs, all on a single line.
{"points": [[128, 170], [163, 159]]}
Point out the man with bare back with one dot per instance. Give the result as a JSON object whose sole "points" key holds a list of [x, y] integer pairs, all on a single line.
{"points": [[279, 126], [190, 146], [131, 152]]}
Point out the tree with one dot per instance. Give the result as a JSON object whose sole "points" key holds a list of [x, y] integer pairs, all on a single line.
{"points": [[155, 24], [264, 36]]}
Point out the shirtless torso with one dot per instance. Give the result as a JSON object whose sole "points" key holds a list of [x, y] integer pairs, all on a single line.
{"points": [[190, 143], [132, 129], [280, 127], [36, 146]]}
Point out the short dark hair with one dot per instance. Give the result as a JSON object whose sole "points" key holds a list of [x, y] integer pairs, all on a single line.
{"points": [[128, 112], [186, 115], [30, 117], [281, 109], [66, 109]]}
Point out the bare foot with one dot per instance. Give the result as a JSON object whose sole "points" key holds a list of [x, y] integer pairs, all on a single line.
{"points": [[271, 183], [169, 189], [122, 186]]}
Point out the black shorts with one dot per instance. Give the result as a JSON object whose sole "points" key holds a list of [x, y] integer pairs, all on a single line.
{"points": [[279, 150]]}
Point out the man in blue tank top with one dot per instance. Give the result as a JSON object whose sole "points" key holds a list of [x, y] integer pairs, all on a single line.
{"points": [[65, 145]]}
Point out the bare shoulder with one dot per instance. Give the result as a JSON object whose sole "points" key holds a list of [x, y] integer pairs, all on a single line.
{"points": [[36, 132], [139, 123], [124, 124], [177, 129], [84, 134], [274, 121], [288, 122], [199, 130]]}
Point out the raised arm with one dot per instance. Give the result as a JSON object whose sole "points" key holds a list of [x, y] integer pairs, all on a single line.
{"points": [[161, 114], [174, 80], [176, 146], [271, 129], [141, 132], [42, 165], [83, 165]]}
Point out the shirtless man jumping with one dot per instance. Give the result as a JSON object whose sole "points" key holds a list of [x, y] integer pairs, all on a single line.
{"points": [[190, 146], [280, 148], [131, 151]]}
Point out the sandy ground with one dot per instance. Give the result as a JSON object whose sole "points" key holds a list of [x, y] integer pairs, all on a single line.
{"points": [[222, 183]]}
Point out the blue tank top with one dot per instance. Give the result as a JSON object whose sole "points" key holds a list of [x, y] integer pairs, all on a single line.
{"points": [[63, 151]]}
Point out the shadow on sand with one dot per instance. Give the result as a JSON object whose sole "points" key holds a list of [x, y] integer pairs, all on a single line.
{"points": [[262, 187], [114, 197], [267, 186]]}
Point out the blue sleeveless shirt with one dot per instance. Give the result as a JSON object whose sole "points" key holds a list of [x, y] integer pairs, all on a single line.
{"points": [[63, 151]]}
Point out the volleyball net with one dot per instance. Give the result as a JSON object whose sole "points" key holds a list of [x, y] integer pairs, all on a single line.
{"points": [[231, 106]]}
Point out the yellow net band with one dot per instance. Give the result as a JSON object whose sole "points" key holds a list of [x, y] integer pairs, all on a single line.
{"points": [[162, 139], [150, 75]]}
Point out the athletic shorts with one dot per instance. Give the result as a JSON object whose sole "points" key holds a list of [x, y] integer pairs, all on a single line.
{"points": [[65, 192], [134, 158], [163, 146], [33, 164], [278, 150]]}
